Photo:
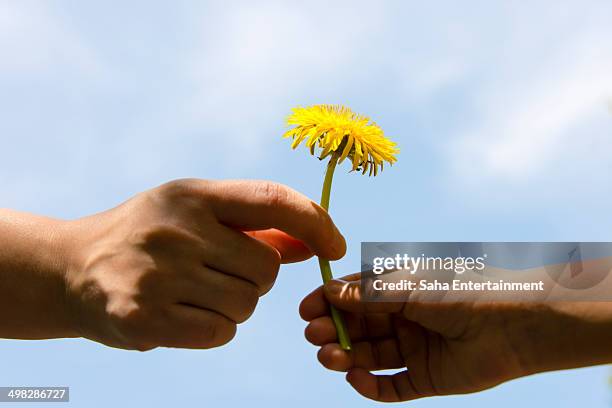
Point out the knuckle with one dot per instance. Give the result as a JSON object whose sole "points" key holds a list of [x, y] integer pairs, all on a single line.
{"points": [[179, 187], [190, 193], [149, 234], [149, 282], [159, 235], [272, 194], [179, 201], [130, 320]]}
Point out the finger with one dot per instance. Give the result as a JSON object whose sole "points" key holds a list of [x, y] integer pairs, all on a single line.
{"points": [[347, 296], [315, 305], [383, 388], [290, 249], [322, 330], [208, 289], [194, 328], [235, 253], [421, 350], [378, 354], [223, 249], [257, 205]]}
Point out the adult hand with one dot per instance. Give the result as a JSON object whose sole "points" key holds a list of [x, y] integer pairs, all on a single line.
{"points": [[451, 348], [177, 266]]}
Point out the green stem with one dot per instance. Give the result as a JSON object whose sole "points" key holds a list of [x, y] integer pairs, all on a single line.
{"points": [[326, 272]]}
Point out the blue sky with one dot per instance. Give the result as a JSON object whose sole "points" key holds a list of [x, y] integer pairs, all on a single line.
{"points": [[502, 110]]}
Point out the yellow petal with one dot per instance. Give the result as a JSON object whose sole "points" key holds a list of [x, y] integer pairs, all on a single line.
{"points": [[329, 127], [347, 148]]}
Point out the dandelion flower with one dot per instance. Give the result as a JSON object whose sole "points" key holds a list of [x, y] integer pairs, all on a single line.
{"points": [[338, 132]]}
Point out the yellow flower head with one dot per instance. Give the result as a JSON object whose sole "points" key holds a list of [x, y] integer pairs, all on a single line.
{"points": [[338, 130]]}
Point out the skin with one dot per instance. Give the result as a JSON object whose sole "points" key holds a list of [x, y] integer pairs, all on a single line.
{"points": [[451, 348], [176, 266]]}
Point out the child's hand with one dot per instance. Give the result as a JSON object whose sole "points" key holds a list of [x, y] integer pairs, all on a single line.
{"points": [[452, 348], [172, 266]]}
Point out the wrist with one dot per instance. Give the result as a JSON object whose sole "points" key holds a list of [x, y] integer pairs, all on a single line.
{"points": [[33, 265], [64, 242], [559, 336]]}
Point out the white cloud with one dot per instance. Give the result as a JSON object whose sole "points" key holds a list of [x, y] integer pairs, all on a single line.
{"points": [[35, 42], [219, 80], [254, 61], [531, 111]]}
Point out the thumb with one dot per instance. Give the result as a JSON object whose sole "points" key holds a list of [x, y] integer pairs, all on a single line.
{"points": [[347, 296]]}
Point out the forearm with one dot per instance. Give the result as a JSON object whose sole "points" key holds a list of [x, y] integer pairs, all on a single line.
{"points": [[33, 261]]}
